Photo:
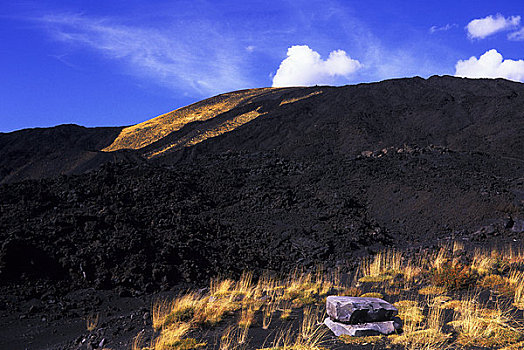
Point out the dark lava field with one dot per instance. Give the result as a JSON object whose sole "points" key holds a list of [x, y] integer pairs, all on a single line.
{"points": [[332, 174]]}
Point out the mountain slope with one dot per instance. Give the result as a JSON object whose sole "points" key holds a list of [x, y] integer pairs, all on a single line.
{"points": [[461, 114], [46, 152], [150, 131]]}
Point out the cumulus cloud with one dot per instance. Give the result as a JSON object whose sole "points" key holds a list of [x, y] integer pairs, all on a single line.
{"points": [[484, 27], [304, 67], [517, 36], [491, 65]]}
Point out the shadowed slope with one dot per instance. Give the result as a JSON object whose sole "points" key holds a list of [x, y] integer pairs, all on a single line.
{"points": [[468, 115], [45, 152]]}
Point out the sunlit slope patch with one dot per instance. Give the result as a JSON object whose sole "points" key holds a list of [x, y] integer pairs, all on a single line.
{"points": [[207, 131], [150, 131]]}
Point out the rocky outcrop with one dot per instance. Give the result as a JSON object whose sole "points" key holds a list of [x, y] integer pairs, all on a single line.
{"points": [[355, 310], [357, 316], [363, 329]]}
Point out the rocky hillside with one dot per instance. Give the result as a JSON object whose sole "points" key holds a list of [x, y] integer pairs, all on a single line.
{"points": [[460, 114], [263, 179], [47, 152]]}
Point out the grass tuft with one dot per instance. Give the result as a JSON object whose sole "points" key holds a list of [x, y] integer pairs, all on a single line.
{"points": [[480, 326]]}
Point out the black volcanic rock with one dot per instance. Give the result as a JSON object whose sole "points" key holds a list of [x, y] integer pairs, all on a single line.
{"points": [[46, 152], [145, 228]]}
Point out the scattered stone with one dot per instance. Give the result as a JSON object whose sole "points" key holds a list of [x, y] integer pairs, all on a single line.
{"points": [[364, 329], [355, 310], [361, 316], [518, 226]]}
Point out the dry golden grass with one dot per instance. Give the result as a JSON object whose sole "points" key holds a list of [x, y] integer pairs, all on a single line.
{"points": [[452, 305], [422, 321], [362, 340], [286, 313], [159, 311], [483, 262], [516, 280], [441, 258], [392, 291], [482, 326], [499, 285], [310, 335], [227, 296], [411, 272], [247, 316], [295, 99], [213, 309], [410, 312], [382, 267], [516, 346], [423, 335], [350, 292], [439, 300], [458, 248], [372, 295], [181, 309], [150, 131], [147, 133], [171, 337], [432, 290], [229, 339], [137, 341], [267, 316], [512, 256]]}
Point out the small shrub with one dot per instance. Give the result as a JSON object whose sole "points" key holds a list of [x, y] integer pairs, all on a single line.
{"points": [[453, 277], [498, 284]]}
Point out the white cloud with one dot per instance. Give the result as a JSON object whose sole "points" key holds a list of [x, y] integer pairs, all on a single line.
{"points": [[517, 36], [304, 67], [445, 28], [484, 27], [195, 59], [491, 65]]}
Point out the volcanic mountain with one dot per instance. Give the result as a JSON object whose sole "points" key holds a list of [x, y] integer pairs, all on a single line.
{"points": [[271, 178], [460, 114]]}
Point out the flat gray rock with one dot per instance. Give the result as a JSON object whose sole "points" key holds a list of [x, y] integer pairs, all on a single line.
{"points": [[354, 310], [363, 329]]}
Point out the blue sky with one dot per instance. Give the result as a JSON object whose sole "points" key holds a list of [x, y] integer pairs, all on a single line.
{"points": [[106, 63]]}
